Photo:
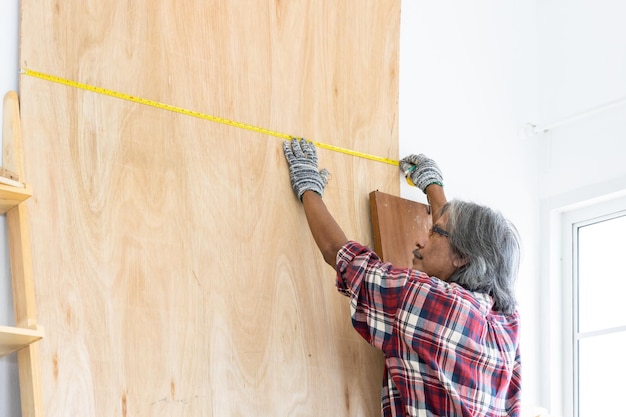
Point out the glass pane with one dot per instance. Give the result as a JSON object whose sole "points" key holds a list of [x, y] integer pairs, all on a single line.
{"points": [[601, 275], [601, 375]]}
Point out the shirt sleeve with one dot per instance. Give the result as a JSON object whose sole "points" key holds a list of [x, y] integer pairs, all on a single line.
{"points": [[375, 290]]}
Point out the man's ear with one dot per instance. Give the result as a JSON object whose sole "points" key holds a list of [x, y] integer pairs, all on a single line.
{"points": [[459, 261]]}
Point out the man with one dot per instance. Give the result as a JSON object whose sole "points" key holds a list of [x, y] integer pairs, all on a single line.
{"points": [[448, 327]]}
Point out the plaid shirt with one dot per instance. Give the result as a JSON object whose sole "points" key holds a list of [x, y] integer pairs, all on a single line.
{"points": [[446, 352]]}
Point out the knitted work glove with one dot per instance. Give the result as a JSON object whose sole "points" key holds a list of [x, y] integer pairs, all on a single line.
{"points": [[303, 172], [421, 171]]}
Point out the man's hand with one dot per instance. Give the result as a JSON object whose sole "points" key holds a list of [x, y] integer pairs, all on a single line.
{"points": [[422, 171], [301, 156]]}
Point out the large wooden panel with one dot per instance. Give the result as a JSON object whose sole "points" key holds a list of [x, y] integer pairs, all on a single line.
{"points": [[397, 224], [175, 274]]}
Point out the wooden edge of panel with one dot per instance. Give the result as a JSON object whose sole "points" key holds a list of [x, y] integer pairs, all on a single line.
{"points": [[378, 247], [396, 224]]}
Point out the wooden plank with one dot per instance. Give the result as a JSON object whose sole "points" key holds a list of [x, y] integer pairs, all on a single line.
{"points": [[17, 216], [31, 398], [172, 260], [12, 148], [11, 196], [397, 224], [21, 267], [15, 338], [20, 255], [7, 175], [11, 182]]}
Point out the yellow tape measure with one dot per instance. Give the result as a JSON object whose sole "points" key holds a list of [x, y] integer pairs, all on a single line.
{"points": [[175, 109]]}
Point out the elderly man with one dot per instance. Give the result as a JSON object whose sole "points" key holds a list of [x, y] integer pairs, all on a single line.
{"points": [[448, 327]]}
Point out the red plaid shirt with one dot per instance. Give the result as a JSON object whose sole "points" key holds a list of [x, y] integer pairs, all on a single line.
{"points": [[446, 352]]}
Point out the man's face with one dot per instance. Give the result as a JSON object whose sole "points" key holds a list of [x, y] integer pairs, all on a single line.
{"points": [[434, 255]]}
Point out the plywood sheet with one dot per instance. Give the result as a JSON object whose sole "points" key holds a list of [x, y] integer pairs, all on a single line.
{"points": [[397, 224], [174, 270]]}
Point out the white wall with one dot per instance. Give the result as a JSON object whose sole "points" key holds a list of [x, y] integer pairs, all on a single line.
{"points": [[583, 66], [582, 61], [9, 390]]}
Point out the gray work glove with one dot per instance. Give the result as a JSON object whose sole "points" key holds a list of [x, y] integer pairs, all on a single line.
{"points": [[303, 172], [421, 171]]}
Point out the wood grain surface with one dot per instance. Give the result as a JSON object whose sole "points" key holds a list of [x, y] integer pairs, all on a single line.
{"points": [[175, 273], [397, 224]]}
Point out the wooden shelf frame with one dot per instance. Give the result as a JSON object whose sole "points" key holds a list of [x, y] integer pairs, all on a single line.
{"points": [[23, 337], [11, 196], [13, 339]]}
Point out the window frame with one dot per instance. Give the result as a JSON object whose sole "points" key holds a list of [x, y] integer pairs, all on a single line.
{"points": [[565, 223]]}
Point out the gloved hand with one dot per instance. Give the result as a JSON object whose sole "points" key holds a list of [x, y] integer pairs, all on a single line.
{"points": [[303, 172], [421, 170]]}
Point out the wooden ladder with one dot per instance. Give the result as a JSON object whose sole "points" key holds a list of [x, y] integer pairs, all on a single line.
{"points": [[26, 332]]}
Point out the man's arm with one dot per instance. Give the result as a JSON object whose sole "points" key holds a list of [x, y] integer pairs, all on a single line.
{"points": [[308, 184], [326, 232], [436, 199]]}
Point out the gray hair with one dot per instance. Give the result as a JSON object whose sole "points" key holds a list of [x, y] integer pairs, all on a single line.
{"points": [[491, 246]]}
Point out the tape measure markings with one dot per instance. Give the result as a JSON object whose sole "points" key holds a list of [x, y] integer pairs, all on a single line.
{"points": [[192, 113]]}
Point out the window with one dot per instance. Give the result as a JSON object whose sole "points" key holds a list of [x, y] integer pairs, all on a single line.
{"points": [[594, 308]]}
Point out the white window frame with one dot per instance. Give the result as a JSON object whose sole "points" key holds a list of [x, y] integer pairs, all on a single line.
{"points": [[561, 215], [572, 220]]}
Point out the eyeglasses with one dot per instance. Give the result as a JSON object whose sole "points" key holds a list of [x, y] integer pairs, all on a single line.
{"points": [[439, 231]]}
